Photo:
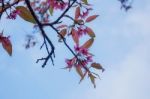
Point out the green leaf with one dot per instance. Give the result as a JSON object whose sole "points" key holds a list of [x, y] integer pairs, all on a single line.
{"points": [[85, 1], [25, 14], [51, 10]]}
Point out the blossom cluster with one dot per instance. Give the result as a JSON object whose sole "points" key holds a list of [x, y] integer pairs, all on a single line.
{"points": [[13, 14], [40, 13]]}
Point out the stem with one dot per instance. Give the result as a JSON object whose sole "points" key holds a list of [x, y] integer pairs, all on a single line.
{"points": [[43, 34]]}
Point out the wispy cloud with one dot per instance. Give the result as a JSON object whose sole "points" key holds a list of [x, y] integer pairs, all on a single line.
{"points": [[130, 80]]}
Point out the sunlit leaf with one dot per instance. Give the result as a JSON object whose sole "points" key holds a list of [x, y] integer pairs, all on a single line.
{"points": [[90, 32], [75, 36], [88, 43], [25, 14], [91, 18]]}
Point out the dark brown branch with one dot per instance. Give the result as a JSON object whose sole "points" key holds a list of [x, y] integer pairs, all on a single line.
{"points": [[64, 41], [43, 34], [59, 18], [7, 6]]}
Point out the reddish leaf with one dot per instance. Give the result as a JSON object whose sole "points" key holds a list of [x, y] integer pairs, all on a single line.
{"points": [[90, 32], [83, 76], [88, 43], [97, 66], [92, 77], [77, 13], [79, 71], [7, 45], [75, 36], [62, 33], [61, 26], [91, 18]]}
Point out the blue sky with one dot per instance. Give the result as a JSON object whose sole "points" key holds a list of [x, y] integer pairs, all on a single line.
{"points": [[121, 46]]}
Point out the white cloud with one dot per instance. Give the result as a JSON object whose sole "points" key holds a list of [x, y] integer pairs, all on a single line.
{"points": [[130, 81], [138, 22]]}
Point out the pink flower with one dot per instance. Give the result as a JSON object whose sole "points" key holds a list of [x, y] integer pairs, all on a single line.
{"points": [[83, 55], [81, 30], [81, 50], [84, 51], [69, 63], [89, 58], [77, 48], [56, 4], [13, 14], [84, 14]]}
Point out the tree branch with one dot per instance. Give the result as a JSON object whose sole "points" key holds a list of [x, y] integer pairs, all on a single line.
{"points": [[62, 15], [43, 34]]}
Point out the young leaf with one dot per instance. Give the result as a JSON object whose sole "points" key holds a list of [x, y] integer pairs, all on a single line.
{"points": [[88, 43], [97, 66], [79, 71], [77, 13], [91, 18], [90, 32], [92, 77], [62, 33], [51, 9], [25, 14], [83, 77], [85, 1], [61, 26], [75, 36], [7, 45]]}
